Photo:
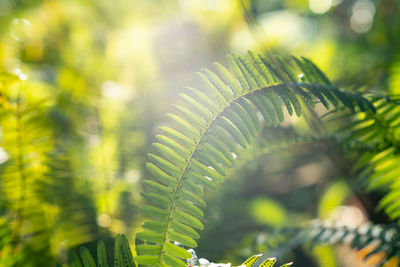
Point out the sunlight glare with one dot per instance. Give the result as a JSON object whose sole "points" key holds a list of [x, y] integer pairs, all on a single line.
{"points": [[348, 215], [285, 27], [320, 6], [115, 91], [362, 16], [132, 176], [22, 76], [3, 156], [104, 220], [214, 5]]}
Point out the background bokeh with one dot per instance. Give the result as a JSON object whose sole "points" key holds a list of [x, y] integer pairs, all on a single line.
{"points": [[84, 85]]}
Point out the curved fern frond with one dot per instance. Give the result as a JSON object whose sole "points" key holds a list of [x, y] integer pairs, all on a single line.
{"points": [[378, 238], [209, 133], [377, 137], [383, 239]]}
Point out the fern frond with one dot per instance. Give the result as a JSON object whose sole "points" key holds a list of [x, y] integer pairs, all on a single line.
{"points": [[208, 134], [378, 238], [376, 136], [75, 223], [26, 142], [122, 255], [39, 205], [382, 238]]}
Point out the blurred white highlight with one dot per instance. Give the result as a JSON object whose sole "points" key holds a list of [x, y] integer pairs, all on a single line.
{"points": [[320, 6], [362, 16]]}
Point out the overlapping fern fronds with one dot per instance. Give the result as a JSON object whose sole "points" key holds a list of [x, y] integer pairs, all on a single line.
{"points": [[123, 257], [376, 136], [208, 134], [75, 223], [35, 181], [25, 141]]}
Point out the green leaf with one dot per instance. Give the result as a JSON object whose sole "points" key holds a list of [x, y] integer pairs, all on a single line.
{"points": [[184, 126], [275, 103], [174, 145], [268, 117], [181, 238], [200, 168], [193, 187], [169, 154], [155, 226], [190, 116], [158, 188], [226, 139], [153, 212], [238, 73], [254, 78], [73, 260], [228, 78], [268, 262], [184, 229], [126, 253], [240, 125], [157, 199], [150, 236], [147, 260], [266, 76], [219, 84], [161, 175], [87, 259], [165, 165], [148, 249], [250, 261], [191, 197], [177, 136], [211, 90], [244, 116], [232, 130], [187, 219], [189, 208], [101, 254], [118, 261], [251, 112], [204, 100], [172, 261], [177, 251]]}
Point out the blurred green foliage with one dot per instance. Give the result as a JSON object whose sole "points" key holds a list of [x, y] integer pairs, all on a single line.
{"points": [[84, 84]]}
